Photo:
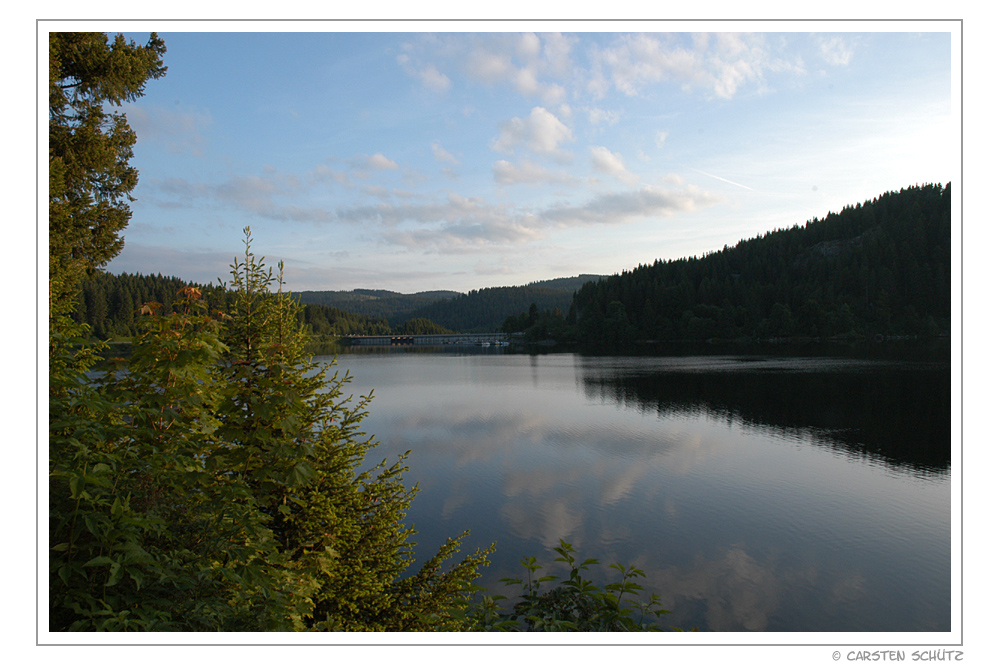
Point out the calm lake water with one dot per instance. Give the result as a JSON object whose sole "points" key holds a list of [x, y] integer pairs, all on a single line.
{"points": [[757, 493]]}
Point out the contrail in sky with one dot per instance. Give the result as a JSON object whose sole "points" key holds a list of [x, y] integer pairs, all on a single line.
{"points": [[722, 179]]}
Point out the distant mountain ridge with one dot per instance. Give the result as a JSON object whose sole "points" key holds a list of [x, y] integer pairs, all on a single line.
{"points": [[376, 303], [476, 311]]}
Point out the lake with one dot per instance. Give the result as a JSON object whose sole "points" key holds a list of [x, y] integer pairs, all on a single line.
{"points": [[757, 492]]}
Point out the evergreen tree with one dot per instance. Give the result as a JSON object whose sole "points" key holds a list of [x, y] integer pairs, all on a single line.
{"points": [[89, 149], [296, 442]]}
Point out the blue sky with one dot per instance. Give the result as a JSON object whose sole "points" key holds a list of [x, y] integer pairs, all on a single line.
{"points": [[416, 161]]}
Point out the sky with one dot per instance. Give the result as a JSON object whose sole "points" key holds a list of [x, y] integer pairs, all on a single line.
{"points": [[416, 161]]}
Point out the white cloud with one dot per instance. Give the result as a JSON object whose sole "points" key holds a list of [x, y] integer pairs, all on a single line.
{"points": [[835, 51], [490, 64], [558, 48], [611, 163], [529, 46], [323, 173], [622, 207], [176, 132], [541, 132], [454, 208], [455, 239], [405, 194], [722, 63], [380, 162], [255, 194], [597, 84], [598, 116], [488, 67], [434, 80], [378, 191], [542, 66], [459, 224], [203, 267], [428, 75], [527, 172], [530, 64], [442, 155]]}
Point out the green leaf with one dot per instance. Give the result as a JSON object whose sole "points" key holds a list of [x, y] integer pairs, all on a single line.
{"points": [[137, 577], [76, 484], [116, 574]]}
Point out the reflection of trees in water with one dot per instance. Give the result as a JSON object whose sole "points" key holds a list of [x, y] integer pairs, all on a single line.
{"points": [[898, 414]]}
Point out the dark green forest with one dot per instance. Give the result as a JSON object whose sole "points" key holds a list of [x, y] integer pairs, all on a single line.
{"points": [[882, 267], [485, 310], [395, 308], [110, 305]]}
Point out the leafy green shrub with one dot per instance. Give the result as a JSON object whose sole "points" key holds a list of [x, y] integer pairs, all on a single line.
{"points": [[575, 604]]}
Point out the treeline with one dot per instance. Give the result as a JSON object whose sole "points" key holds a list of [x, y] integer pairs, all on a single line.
{"points": [[567, 283], [420, 326], [396, 308], [110, 305], [326, 322], [881, 267], [537, 326]]}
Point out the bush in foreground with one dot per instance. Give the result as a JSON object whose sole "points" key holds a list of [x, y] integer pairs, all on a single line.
{"points": [[214, 482]]}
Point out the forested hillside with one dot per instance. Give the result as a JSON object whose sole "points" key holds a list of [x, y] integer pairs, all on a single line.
{"points": [[567, 283], [485, 310], [394, 307], [881, 267]]}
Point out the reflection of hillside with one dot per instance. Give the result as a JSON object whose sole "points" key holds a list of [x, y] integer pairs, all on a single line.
{"points": [[898, 414]]}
